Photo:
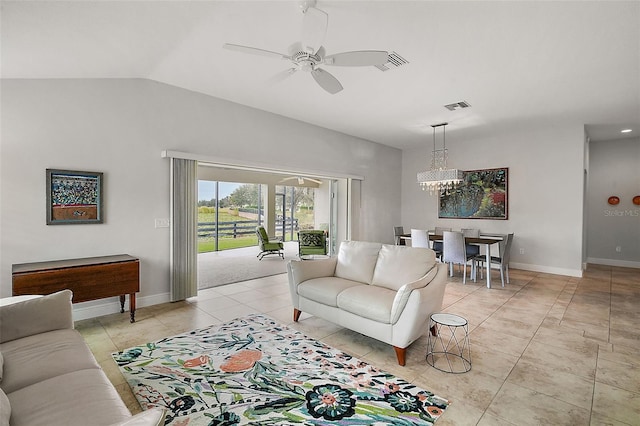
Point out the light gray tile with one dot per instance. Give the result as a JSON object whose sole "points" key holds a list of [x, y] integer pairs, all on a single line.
{"points": [[546, 379], [523, 407], [616, 403]]}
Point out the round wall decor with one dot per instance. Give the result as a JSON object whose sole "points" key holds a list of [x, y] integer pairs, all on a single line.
{"points": [[613, 200], [636, 200]]}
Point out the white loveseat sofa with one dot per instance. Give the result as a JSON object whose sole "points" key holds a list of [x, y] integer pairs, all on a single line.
{"points": [[383, 291]]}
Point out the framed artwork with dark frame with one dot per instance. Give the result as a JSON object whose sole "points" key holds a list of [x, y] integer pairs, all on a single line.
{"points": [[73, 197], [482, 194]]}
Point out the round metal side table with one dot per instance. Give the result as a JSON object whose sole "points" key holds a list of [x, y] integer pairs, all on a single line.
{"points": [[449, 351]]}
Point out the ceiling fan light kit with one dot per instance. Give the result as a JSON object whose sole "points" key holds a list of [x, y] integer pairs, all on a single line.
{"points": [[309, 54]]}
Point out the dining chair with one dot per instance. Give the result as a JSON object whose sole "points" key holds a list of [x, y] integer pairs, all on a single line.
{"points": [[398, 231], [454, 252], [472, 249], [420, 238], [502, 260], [437, 245]]}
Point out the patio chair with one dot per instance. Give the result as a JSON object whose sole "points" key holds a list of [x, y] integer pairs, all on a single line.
{"points": [[267, 246], [312, 242]]}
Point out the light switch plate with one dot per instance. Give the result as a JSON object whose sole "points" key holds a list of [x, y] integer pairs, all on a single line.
{"points": [[162, 223]]}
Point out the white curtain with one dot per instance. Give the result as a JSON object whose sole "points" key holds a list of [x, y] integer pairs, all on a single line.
{"points": [[184, 223]]}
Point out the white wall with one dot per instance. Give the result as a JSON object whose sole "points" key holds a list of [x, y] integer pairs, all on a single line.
{"points": [[119, 127], [614, 170], [545, 192]]}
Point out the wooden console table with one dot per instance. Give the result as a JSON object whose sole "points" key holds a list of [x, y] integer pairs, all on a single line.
{"points": [[88, 278]]}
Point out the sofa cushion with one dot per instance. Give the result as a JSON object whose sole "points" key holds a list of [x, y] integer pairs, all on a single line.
{"points": [[79, 398], [399, 265], [369, 302], [5, 409], [42, 356], [325, 290], [357, 260], [46, 313]]}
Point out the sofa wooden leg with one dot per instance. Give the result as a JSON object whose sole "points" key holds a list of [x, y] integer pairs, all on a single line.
{"points": [[296, 314], [434, 330], [400, 354]]}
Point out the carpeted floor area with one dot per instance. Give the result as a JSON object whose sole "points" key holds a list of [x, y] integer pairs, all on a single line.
{"points": [[232, 266]]}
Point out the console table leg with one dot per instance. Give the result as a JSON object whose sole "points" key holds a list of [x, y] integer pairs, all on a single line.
{"points": [[121, 303], [132, 306]]}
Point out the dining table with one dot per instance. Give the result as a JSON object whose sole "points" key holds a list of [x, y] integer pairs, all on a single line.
{"points": [[487, 240]]}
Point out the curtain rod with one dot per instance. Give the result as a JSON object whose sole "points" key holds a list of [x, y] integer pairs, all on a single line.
{"points": [[254, 166]]}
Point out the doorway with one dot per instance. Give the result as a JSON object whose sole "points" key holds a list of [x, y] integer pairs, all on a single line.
{"points": [[282, 203]]}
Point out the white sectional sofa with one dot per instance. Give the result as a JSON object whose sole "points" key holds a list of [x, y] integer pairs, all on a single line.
{"points": [[48, 375], [383, 291]]}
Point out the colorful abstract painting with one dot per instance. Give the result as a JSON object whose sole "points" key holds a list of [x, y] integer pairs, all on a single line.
{"points": [[482, 194]]}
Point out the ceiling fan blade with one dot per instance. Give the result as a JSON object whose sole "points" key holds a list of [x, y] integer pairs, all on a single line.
{"points": [[326, 81], [301, 180], [314, 29], [358, 58], [255, 51], [281, 76]]}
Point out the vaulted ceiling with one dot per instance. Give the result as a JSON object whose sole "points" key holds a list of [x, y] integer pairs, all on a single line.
{"points": [[515, 63]]}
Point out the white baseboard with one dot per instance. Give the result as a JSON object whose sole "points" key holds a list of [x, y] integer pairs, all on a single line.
{"points": [[546, 269], [86, 310], [614, 262]]}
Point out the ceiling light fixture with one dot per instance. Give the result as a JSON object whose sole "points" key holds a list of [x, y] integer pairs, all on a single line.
{"points": [[626, 131], [439, 178]]}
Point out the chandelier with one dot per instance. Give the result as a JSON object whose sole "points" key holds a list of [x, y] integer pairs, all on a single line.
{"points": [[439, 178]]}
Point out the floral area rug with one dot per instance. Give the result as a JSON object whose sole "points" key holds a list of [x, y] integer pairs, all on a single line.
{"points": [[255, 371]]}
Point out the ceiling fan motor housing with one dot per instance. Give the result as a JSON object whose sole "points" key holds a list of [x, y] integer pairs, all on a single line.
{"points": [[306, 61]]}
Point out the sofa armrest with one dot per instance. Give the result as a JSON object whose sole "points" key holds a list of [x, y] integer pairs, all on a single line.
{"points": [[400, 300], [35, 316], [413, 321], [151, 417], [302, 270]]}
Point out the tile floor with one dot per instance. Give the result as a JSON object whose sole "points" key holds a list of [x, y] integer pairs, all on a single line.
{"points": [[546, 349]]}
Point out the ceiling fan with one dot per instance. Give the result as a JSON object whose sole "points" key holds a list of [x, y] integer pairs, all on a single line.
{"points": [[301, 180], [308, 54]]}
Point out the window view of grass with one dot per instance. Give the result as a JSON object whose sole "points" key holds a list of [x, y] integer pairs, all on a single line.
{"points": [[206, 237], [238, 217]]}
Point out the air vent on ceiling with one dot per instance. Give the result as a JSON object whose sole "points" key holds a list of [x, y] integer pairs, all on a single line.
{"points": [[457, 105], [393, 61]]}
